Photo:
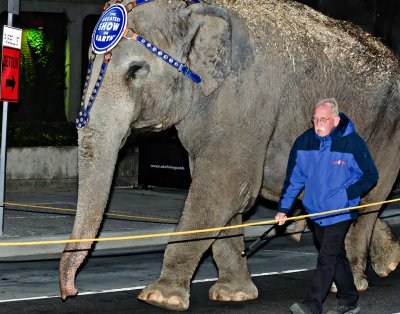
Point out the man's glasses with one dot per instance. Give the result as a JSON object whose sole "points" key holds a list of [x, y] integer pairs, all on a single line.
{"points": [[322, 120]]}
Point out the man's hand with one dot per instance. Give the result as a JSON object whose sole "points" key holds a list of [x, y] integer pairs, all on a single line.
{"points": [[282, 217]]}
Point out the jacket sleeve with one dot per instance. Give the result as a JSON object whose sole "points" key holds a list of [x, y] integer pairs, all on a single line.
{"points": [[294, 183], [367, 166]]}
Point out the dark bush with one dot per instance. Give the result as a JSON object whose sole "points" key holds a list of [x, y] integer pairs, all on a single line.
{"points": [[41, 134]]}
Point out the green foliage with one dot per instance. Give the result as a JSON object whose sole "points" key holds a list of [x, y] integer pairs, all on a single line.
{"points": [[41, 46], [42, 134], [42, 74]]}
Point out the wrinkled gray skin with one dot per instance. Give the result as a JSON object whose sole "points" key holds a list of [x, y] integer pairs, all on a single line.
{"points": [[263, 64]]}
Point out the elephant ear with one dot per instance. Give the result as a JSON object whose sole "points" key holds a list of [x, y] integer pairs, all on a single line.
{"points": [[210, 48]]}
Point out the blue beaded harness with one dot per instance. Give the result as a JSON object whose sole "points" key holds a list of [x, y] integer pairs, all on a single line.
{"points": [[83, 117]]}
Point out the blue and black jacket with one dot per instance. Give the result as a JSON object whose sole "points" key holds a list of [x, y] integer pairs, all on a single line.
{"points": [[334, 171]]}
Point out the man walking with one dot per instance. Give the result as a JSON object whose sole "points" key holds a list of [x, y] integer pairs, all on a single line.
{"points": [[332, 163]]}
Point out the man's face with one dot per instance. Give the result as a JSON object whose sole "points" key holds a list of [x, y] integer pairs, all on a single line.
{"points": [[324, 121]]}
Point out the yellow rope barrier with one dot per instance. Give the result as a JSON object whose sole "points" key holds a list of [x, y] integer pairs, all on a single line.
{"points": [[175, 233], [107, 214]]}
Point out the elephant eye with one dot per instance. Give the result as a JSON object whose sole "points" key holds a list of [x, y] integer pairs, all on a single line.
{"points": [[137, 69]]}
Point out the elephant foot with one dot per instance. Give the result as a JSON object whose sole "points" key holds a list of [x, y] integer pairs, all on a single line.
{"points": [[385, 249], [383, 265], [165, 297], [229, 292], [361, 284]]}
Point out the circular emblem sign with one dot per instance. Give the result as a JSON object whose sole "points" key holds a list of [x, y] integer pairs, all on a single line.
{"points": [[109, 29]]}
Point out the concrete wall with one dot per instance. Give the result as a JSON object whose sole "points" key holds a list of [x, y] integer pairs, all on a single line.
{"points": [[55, 168]]}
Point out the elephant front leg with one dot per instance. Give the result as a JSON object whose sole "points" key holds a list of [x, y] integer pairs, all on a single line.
{"points": [[234, 282], [207, 206], [384, 249]]}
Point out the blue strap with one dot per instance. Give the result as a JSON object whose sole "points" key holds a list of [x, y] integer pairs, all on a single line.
{"points": [[171, 61], [140, 2], [189, 73], [83, 117]]}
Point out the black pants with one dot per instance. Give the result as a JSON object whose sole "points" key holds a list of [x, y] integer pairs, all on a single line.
{"points": [[332, 265]]}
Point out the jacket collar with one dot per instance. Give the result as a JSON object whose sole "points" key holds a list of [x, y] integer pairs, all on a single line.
{"points": [[344, 128]]}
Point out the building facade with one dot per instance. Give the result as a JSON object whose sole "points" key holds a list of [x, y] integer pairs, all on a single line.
{"points": [[54, 32]]}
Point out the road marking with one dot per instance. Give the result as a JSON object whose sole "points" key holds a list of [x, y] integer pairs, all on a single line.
{"points": [[29, 299], [291, 252], [141, 287], [258, 275]]}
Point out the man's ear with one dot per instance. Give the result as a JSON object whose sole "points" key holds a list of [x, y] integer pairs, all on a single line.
{"points": [[336, 121], [209, 53]]}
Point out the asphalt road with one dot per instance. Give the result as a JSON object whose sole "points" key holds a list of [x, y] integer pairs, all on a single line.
{"points": [[110, 282]]}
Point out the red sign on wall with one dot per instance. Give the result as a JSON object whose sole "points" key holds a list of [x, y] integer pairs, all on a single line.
{"points": [[10, 64]]}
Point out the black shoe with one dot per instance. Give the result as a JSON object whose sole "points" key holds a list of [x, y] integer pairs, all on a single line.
{"points": [[300, 308], [345, 309]]}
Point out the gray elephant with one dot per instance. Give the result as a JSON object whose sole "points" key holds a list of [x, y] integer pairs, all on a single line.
{"points": [[262, 64]]}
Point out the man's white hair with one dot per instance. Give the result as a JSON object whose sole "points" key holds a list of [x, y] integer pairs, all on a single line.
{"points": [[331, 102]]}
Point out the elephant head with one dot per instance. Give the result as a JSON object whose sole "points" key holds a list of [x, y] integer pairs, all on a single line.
{"points": [[141, 90], [156, 95]]}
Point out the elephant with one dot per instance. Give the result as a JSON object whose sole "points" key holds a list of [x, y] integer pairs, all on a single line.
{"points": [[262, 66]]}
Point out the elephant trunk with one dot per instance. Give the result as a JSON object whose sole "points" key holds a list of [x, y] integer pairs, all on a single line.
{"points": [[97, 156]]}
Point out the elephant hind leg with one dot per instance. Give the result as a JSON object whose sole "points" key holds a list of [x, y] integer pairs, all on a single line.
{"points": [[296, 232], [234, 282], [384, 249]]}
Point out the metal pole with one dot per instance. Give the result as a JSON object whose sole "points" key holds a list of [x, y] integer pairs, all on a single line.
{"points": [[4, 150]]}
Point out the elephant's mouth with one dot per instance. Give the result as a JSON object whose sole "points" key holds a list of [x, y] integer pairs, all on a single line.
{"points": [[109, 31], [152, 128]]}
